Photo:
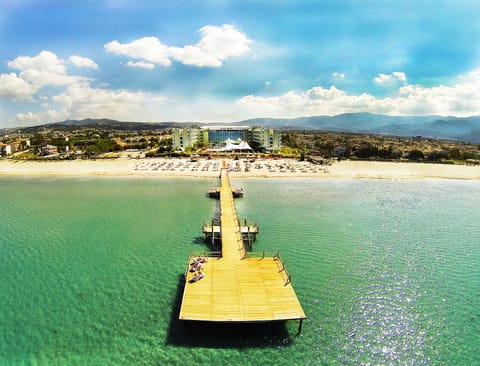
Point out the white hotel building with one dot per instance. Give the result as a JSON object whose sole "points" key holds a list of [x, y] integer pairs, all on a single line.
{"points": [[217, 136]]}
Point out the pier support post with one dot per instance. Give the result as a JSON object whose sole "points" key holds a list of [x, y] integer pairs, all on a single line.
{"points": [[300, 327]]}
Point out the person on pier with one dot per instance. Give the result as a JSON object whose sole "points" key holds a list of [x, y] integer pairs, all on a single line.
{"points": [[197, 276]]}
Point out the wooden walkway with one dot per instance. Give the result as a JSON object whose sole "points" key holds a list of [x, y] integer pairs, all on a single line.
{"points": [[236, 287], [217, 229]]}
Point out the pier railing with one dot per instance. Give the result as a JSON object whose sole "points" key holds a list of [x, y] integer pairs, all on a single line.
{"points": [[245, 222], [205, 253], [262, 254], [241, 223], [275, 256], [209, 224], [287, 276]]}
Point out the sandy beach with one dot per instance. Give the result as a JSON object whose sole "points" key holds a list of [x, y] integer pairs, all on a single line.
{"points": [[261, 168]]}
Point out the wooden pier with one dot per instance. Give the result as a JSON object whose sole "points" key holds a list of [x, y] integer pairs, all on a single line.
{"points": [[214, 192], [238, 286], [213, 233]]}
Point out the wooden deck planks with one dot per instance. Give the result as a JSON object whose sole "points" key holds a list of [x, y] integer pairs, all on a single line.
{"points": [[251, 289]]}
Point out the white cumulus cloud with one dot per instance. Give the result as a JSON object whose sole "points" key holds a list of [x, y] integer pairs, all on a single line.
{"points": [[394, 77], [216, 45], [83, 62], [460, 99], [149, 49], [400, 76], [13, 87], [140, 64], [82, 101], [48, 115], [315, 101], [44, 69], [45, 61], [29, 117]]}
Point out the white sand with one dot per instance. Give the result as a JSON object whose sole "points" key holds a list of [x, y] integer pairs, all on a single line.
{"points": [[261, 168]]}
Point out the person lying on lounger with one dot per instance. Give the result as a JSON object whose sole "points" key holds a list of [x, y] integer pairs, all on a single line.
{"points": [[198, 276]]}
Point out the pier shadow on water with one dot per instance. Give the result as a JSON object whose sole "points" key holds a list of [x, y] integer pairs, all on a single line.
{"points": [[223, 335], [199, 240], [206, 246]]}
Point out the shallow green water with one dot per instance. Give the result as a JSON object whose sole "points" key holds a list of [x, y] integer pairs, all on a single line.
{"points": [[388, 272]]}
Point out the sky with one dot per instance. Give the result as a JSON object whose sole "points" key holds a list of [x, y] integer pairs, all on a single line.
{"points": [[230, 60]]}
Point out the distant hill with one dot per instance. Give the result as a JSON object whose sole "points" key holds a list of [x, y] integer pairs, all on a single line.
{"points": [[104, 124], [347, 122], [455, 128]]}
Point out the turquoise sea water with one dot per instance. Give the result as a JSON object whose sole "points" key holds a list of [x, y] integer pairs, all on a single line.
{"points": [[388, 272]]}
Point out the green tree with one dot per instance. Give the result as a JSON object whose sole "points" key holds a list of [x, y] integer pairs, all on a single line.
{"points": [[289, 140], [325, 148], [415, 154], [454, 153], [366, 151], [37, 140], [437, 155], [396, 154], [341, 151], [386, 153], [255, 145]]}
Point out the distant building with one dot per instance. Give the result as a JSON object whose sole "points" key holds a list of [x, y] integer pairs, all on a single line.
{"points": [[14, 146], [49, 150], [218, 136], [187, 137], [268, 138]]}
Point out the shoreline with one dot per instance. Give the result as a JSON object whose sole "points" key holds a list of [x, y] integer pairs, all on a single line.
{"points": [[239, 169]]}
